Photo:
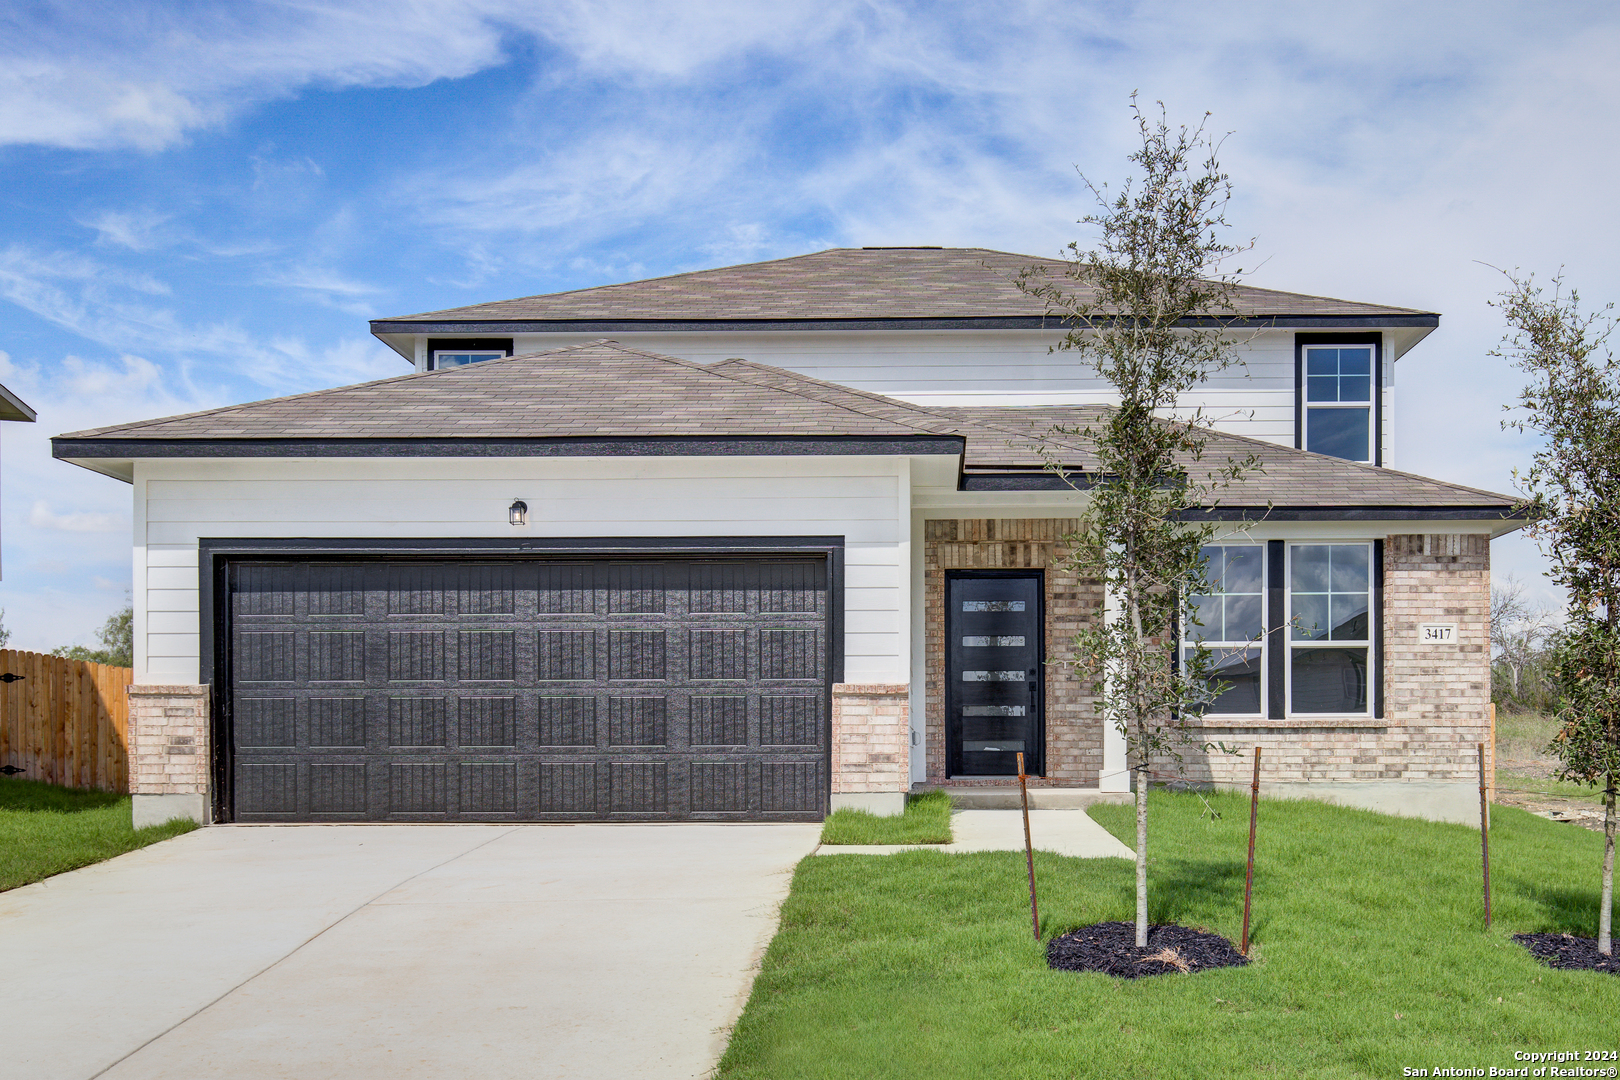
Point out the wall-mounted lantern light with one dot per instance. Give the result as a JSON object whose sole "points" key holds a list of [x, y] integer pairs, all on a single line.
{"points": [[518, 513]]}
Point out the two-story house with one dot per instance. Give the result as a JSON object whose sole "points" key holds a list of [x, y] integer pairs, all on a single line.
{"points": [[751, 543]]}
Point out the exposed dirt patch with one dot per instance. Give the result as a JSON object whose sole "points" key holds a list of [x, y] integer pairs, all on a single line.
{"points": [[1111, 948], [1569, 952], [1582, 812]]}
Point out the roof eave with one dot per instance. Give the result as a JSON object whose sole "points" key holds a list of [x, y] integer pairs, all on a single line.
{"points": [[81, 451], [13, 407], [406, 325]]}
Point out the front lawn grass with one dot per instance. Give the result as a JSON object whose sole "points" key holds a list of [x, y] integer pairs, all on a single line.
{"points": [[1368, 948], [927, 820], [45, 829]]}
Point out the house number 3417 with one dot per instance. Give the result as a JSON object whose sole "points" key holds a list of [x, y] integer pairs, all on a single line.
{"points": [[1437, 633]]}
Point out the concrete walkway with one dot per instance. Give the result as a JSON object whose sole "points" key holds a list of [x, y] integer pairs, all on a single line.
{"points": [[394, 951], [1067, 832]]}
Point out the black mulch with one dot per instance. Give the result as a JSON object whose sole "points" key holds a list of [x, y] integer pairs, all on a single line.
{"points": [[1110, 947], [1569, 952]]}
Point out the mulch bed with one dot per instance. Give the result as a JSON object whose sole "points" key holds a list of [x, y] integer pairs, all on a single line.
{"points": [[1569, 952], [1110, 948]]}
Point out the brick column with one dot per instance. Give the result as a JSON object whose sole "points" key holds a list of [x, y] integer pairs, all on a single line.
{"points": [[871, 746], [168, 753]]}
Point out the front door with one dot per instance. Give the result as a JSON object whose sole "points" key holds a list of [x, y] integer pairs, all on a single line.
{"points": [[993, 672]]}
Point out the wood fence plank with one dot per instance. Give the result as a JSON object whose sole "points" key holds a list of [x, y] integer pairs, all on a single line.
{"points": [[6, 712], [67, 721]]}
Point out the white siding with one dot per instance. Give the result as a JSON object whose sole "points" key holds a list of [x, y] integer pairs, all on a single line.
{"points": [[864, 500], [982, 367]]}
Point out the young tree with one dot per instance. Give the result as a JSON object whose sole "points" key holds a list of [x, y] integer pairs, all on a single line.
{"points": [[1138, 306], [1573, 488], [117, 637]]}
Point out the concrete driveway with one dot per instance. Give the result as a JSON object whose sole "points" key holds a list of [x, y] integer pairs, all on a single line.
{"points": [[394, 951]]}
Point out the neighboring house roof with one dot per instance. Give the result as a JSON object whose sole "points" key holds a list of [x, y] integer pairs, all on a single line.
{"points": [[846, 288], [604, 399], [13, 407]]}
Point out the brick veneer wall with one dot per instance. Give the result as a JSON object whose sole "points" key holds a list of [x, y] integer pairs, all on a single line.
{"points": [[1073, 731], [168, 740], [871, 738], [1435, 696]]}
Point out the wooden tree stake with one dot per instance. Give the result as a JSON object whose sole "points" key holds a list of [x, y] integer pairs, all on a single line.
{"points": [[1029, 852], [1484, 835], [1248, 881]]}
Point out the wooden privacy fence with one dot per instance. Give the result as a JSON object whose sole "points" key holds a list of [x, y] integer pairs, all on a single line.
{"points": [[65, 721]]}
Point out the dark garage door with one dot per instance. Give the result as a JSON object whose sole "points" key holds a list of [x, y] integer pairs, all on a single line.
{"points": [[528, 691]]}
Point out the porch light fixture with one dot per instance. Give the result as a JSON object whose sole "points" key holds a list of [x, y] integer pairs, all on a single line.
{"points": [[518, 512]]}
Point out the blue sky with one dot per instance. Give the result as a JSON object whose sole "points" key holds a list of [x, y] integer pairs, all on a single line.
{"points": [[204, 203]]}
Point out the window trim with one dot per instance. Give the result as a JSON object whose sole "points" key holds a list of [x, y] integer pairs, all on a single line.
{"points": [[439, 345], [1376, 340], [1261, 643], [1375, 631]]}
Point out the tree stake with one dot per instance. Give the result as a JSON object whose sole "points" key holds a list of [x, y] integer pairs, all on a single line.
{"points": [[1248, 881], [1029, 851]]}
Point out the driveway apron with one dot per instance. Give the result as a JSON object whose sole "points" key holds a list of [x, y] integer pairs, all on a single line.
{"points": [[395, 951]]}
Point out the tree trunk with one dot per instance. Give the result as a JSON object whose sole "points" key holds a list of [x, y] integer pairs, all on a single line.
{"points": [[1606, 906], [1133, 604], [1141, 855]]}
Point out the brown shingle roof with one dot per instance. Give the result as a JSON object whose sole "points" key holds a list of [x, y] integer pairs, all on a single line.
{"points": [[599, 389], [846, 284], [602, 390], [1023, 437]]}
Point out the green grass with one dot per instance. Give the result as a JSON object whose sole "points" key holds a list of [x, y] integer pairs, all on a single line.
{"points": [[1369, 955], [45, 829], [1524, 737], [927, 820]]}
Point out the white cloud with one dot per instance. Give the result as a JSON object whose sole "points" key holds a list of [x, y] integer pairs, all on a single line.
{"points": [[135, 230], [86, 521], [144, 74]]}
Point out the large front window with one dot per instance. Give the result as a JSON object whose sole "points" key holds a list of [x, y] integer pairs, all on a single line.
{"points": [[1230, 623], [1339, 401], [1330, 628]]}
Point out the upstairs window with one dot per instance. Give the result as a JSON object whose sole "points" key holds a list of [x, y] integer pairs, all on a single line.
{"points": [[444, 353], [1339, 401], [453, 358]]}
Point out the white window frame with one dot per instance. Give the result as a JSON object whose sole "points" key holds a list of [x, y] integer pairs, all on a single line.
{"points": [[1371, 644], [1259, 643], [1371, 404], [433, 357]]}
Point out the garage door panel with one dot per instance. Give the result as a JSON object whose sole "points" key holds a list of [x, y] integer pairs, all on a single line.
{"points": [[718, 721], [417, 787], [415, 656], [417, 722], [796, 720], [266, 656], [566, 655], [486, 655], [529, 690], [566, 721]]}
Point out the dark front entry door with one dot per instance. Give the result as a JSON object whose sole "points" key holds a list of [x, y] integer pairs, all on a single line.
{"points": [[993, 673]]}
